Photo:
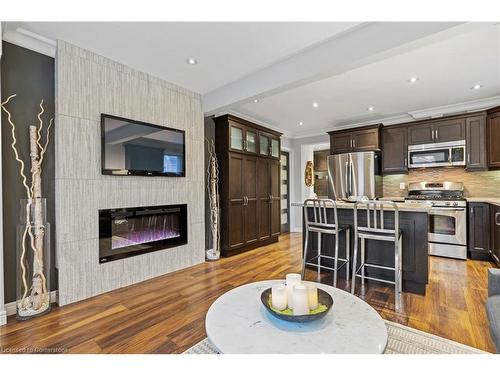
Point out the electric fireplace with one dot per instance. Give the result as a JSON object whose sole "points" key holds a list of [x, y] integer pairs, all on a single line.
{"points": [[126, 232]]}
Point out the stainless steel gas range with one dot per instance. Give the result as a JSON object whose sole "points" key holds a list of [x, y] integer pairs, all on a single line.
{"points": [[447, 217]]}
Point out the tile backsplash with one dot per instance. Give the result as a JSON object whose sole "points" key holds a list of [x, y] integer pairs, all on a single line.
{"points": [[477, 184]]}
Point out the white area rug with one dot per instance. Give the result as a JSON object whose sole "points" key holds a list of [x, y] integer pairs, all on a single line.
{"points": [[402, 340]]}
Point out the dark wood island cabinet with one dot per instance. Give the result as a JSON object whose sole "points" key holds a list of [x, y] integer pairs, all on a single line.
{"points": [[414, 225]]}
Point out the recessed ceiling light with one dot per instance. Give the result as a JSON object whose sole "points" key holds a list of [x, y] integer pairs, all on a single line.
{"points": [[413, 79], [301, 123], [256, 100], [315, 104], [476, 86], [192, 61], [371, 108]]}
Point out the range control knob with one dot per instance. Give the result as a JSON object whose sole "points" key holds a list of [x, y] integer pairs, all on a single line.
{"points": [[455, 203]]}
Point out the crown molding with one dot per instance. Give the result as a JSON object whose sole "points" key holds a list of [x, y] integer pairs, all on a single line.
{"points": [[32, 41], [463, 107]]}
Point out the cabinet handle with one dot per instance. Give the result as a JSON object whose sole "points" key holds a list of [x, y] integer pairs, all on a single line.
{"points": [[437, 134], [244, 145], [270, 199], [406, 161], [353, 143], [497, 215], [468, 158], [472, 210]]}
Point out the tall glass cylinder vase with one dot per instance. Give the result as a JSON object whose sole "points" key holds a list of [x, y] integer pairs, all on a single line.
{"points": [[33, 259]]}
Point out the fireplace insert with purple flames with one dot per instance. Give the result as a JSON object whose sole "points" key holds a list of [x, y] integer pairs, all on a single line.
{"points": [[126, 232]]}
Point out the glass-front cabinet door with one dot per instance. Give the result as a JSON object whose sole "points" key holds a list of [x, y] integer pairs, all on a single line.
{"points": [[264, 144], [275, 147], [236, 135], [251, 141]]}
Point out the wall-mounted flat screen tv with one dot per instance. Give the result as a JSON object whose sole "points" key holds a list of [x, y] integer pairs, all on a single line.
{"points": [[132, 147]]}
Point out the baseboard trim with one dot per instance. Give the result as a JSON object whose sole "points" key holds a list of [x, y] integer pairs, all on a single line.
{"points": [[10, 308], [3, 318]]}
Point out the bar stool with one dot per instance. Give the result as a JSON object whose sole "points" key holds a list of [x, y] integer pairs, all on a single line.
{"points": [[375, 230], [319, 224]]}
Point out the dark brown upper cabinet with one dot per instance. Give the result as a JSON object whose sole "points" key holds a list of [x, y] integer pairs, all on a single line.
{"points": [[432, 131], [394, 149], [420, 134], [475, 140], [493, 136], [242, 138], [355, 140], [269, 145], [449, 130]]}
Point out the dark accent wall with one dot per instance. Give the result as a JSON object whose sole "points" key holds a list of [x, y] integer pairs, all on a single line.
{"points": [[30, 75]]}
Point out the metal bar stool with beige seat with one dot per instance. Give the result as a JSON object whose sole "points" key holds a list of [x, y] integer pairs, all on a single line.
{"points": [[375, 230], [317, 222]]}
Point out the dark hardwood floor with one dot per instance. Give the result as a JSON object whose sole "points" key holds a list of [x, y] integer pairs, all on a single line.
{"points": [[167, 314]]}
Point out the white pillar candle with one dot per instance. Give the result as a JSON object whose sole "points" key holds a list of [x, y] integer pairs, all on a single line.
{"points": [[278, 297], [312, 296], [300, 301], [291, 280]]}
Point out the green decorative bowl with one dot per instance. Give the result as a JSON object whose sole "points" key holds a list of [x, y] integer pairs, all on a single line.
{"points": [[325, 301]]}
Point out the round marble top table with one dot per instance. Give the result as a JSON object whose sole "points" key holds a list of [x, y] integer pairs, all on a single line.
{"points": [[238, 323]]}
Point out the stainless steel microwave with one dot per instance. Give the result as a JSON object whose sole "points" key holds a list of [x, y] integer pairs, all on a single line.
{"points": [[445, 154]]}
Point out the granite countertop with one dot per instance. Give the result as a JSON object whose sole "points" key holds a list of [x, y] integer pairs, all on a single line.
{"points": [[492, 200], [402, 206]]}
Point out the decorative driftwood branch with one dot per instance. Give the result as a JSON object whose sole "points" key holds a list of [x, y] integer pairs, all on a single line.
{"points": [[213, 200], [28, 194], [38, 300]]}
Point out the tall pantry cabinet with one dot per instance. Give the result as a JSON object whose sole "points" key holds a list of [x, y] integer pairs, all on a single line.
{"points": [[249, 184]]}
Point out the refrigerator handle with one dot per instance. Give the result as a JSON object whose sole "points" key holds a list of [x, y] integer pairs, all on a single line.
{"points": [[347, 187]]}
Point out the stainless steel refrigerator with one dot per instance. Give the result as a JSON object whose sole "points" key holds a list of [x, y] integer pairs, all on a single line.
{"points": [[354, 175]]}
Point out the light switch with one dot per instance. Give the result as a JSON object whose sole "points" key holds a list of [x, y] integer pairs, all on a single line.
{"points": [[402, 186]]}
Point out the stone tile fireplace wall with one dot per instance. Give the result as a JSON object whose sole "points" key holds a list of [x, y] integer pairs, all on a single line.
{"points": [[87, 85], [477, 184]]}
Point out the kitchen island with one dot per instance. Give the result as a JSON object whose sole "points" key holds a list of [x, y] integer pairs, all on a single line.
{"points": [[414, 224]]}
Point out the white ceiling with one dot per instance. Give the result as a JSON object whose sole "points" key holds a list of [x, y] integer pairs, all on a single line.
{"points": [[446, 70], [345, 67], [225, 51]]}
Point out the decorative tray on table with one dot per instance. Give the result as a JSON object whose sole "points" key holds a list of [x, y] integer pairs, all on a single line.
{"points": [[325, 303]]}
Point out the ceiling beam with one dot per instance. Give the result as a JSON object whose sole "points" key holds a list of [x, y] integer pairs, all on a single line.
{"points": [[359, 46]]}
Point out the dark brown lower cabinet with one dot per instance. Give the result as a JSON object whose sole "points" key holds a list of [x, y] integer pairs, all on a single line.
{"points": [[479, 228], [252, 216], [495, 233]]}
